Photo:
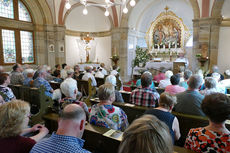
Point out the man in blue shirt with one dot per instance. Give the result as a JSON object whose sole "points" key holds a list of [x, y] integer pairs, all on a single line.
{"points": [[40, 81], [67, 139]]}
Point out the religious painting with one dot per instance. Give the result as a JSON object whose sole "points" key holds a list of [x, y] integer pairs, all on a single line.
{"points": [[167, 32]]}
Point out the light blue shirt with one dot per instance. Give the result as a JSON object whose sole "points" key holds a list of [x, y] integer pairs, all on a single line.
{"points": [[138, 84], [42, 82], [59, 144]]}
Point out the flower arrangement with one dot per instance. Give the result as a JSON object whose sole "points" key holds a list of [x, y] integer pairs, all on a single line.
{"points": [[141, 58], [115, 59]]}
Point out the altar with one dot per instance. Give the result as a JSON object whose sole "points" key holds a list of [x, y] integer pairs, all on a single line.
{"points": [[158, 65], [83, 65], [151, 65]]}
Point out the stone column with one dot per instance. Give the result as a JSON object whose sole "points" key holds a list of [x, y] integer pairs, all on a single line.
{"points": [[119, 41], [206, 31], [55, 35]]}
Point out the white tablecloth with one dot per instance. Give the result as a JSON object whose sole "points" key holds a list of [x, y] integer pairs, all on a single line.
{"points": [[82, 66], [157, 65]]}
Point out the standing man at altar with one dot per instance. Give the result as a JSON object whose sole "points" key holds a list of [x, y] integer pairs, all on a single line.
{"points": [[181, 58]]}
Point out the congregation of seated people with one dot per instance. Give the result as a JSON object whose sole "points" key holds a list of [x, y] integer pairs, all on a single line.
{"points": [[158, 128]]}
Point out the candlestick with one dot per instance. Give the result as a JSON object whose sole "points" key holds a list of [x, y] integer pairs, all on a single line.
{"points": [[169, 45], [156, 54], [164, 47]]}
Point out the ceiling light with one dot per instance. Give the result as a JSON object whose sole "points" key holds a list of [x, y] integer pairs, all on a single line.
{"points": [[125, 10], [132, 3], [67, 5], [107, 1], [106, 12], [85, 11]]}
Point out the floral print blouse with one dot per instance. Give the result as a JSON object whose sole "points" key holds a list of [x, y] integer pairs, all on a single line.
{"points": [[206, 141], [108, 116]]}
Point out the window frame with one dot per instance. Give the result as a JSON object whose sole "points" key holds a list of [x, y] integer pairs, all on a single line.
{"points": [[17, 34]]}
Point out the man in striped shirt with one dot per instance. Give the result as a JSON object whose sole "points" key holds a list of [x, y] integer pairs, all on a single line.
{"points": [[145, 96]]}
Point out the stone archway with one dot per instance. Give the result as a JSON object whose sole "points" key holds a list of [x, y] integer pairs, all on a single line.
{"points": [[217, 7]]}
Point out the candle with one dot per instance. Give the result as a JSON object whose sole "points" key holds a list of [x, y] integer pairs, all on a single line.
{"points": [[170, 53], [156, 53], [115, 50], [169, 45], [164, 47], [158, 47]]}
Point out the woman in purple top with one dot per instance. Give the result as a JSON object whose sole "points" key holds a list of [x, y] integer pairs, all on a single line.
{"points": [[13, 124]]}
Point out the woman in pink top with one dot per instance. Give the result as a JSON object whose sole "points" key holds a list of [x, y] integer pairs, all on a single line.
{"points": [[174, 88]]}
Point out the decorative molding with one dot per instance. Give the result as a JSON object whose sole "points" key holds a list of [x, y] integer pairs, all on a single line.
{"points": [[93, 34]]}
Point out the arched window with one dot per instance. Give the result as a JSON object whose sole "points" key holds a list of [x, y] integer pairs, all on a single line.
{"points": [[16, 42]]}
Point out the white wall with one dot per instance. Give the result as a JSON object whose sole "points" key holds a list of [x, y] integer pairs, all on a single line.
{"points": [[224, 49], [74, 53], [94, 21]]}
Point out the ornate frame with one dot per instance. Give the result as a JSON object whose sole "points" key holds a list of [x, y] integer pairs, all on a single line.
{"points": [[185, 34]]}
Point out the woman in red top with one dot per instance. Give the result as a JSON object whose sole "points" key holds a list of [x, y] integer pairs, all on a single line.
{"points": [[13, 124], [214, 138]]}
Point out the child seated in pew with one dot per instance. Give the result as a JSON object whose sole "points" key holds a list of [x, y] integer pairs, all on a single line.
{"points": [[215, 137], [163, 113], [146, 134], [105, 114]]}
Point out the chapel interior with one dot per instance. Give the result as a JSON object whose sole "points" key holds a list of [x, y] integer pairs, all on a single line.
{"points": [[57, 31], [134, 35]]}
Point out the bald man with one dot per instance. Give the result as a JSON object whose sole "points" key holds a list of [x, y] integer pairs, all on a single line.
{"points": [[67, 139]]}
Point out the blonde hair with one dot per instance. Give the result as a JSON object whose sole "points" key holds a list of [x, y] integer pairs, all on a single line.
{"points": [[105, 91], [12, 116], [148, 135], [167, 100]]}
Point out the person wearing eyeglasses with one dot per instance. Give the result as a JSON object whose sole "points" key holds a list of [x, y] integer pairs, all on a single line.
{"points": [[13, 125]]}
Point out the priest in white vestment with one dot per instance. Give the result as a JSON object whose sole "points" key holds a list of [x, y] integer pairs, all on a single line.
{"points": [[183, 59]]}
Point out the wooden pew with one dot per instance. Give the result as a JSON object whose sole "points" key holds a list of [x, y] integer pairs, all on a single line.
{"points": [[126, 95], [38, 100], [15, 89], [86, 88], [133, 112], [55, 85], [186, 121], [94, 138], [100, 81], [160, 90]]}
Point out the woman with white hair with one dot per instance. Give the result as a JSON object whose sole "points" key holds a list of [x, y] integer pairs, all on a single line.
{"points": [[69, 89], [112, 79], [166, 81]]}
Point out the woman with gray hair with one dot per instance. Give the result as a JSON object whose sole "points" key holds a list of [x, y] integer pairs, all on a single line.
{"points": [[163, 113], [112, 79], [210, 86], [104, 114]]}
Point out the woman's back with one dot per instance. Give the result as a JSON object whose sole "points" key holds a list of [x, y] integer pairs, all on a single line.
{"points": [[108, 116], [205, 141]]}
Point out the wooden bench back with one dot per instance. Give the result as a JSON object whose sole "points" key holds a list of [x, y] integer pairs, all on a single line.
{"points": [[100, 81], [95, 141], [36, 97]]}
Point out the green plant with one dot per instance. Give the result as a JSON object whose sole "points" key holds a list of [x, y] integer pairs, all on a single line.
{"points": [[142, 56]]}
